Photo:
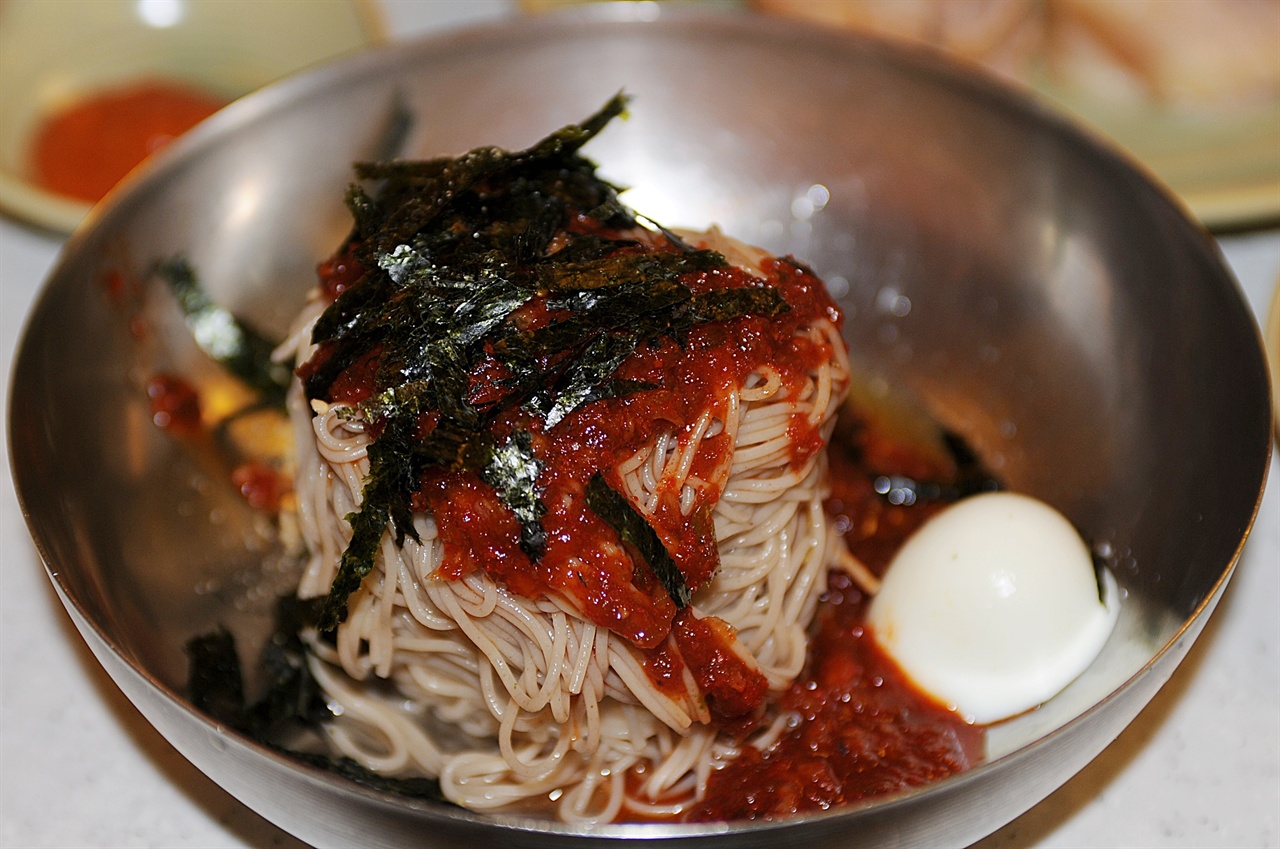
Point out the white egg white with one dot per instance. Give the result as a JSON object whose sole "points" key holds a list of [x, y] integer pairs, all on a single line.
{"points": [[992, 606]]}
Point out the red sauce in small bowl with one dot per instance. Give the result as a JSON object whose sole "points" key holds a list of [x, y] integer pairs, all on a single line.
{"points": [[84, 150]]}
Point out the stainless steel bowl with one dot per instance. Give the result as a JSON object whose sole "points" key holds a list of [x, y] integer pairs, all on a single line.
{"points": [[1037, 292]]}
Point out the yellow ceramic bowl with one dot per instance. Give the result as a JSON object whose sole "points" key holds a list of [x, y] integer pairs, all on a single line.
{"points": [[53, 52]]}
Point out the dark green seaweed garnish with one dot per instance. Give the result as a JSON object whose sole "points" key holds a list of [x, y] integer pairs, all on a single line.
{"points": [[415, 788], [970, 478], [214, 680], [227, 340], [386, 502], [512, 470], [454, 250], [290, 695], [635, 531]]}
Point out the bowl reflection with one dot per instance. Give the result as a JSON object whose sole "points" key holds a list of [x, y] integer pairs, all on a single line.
{"points": [[1038, 295]]}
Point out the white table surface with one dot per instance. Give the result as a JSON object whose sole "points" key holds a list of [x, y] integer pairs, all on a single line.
{"points": [[79, 766]]}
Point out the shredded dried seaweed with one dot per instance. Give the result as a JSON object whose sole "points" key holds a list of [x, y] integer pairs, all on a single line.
{"points": [[291, 697], [226, 339], [415, 788], [512, 469], [454, 249], [970, 478], [635, 531], [215, 682]]}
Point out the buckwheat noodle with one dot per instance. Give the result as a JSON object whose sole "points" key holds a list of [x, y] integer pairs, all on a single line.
{"points": [[517, 701]]}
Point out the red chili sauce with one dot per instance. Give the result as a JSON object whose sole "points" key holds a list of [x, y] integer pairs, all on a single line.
{"points": [[175, 404], [85, 149], [584, 559], [862, 729], [263, 486], [861, 452]]}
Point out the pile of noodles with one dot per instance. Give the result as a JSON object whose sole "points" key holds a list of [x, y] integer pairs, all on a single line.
{"points": [[517, 701]]}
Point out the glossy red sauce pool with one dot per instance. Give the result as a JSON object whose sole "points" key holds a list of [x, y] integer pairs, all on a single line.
{"points": [[859, 728]]}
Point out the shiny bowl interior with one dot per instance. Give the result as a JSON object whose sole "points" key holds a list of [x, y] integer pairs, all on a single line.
{"points": [[1035, 292]]}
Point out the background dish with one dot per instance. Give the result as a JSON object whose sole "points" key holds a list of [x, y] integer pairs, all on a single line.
{"points": [[1191, 89], [1226, 169], [821, 239], [55, 51]]}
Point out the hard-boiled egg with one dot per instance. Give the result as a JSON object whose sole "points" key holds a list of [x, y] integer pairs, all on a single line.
{"points": [[993, 606]]}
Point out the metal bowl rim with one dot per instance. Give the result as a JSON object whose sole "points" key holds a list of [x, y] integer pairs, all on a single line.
{"points": [[297, 87]]}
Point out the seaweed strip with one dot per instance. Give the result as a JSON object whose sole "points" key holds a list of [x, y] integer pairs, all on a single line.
{"points": [[513, 470], [392, 477], [228, 341], [215, 684], [215, 681], [635, 530], [725, 304], [414, 788]]}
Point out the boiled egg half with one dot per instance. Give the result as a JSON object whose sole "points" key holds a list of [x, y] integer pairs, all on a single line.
{"points": [[993, 606]]}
